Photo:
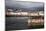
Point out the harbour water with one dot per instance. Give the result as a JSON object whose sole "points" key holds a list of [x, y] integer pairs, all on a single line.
{"points": [[16, 23], [20, 23]]}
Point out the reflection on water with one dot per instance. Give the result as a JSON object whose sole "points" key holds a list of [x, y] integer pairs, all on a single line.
{"points": [[21, 17], [16, 22]]}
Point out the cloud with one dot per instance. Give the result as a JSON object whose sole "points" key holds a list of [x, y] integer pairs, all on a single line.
{"points": [[23, 4]]}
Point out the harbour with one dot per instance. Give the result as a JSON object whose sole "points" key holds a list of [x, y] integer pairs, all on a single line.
{"points": [[18, 23]]}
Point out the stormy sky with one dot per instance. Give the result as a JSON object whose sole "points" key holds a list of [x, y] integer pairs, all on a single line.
{"points": [[23, 4]]}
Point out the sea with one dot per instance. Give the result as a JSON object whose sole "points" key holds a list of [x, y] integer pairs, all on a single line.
{"points": [[16, 23]]}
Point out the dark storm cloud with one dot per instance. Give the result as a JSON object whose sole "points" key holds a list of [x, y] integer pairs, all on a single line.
{"points": [[19, 4]]}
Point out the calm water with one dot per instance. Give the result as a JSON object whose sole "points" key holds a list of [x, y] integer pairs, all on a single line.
{"points": [[19, 23], [16, 23]]}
